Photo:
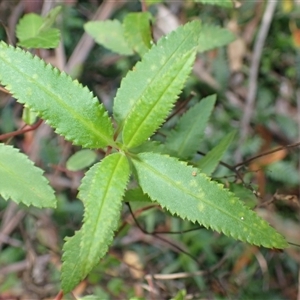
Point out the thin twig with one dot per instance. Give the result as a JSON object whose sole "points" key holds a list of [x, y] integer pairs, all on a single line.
{"points": [[234, 170], [20, 131], [293, 244], [247, 161], [175, 275], [23, 265], [181, 106], [139, 211], [161, 238], [252, 90], [8, 226], [5, 239]]}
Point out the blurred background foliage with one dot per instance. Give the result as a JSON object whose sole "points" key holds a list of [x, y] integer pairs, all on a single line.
{"points": [[191, 263]]}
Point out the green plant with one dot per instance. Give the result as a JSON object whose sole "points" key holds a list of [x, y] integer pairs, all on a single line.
{"points": [[143, 102], [34, 31]]}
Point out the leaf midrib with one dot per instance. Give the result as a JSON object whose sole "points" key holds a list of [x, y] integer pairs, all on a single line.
{"points": [[152, 107], [173, 183], [107, 188], [62, 103], [153, 78]]}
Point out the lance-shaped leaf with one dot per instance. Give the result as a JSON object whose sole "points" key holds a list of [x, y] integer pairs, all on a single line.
{"points": [[191, 195], [138, 32], [184, 140], [211, 160], [21, 181], [101, 191], [66, 105], [110, 34], [172, 68], [71, 271], [148, 92]]}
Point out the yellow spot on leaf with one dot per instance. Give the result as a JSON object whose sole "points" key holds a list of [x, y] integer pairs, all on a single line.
{"points": [[200, 206]]}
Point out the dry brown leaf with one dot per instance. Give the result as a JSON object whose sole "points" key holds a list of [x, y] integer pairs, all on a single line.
{"points": [[268, 159], [245, 259]]}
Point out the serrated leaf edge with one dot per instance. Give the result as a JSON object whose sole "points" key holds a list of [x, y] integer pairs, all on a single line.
{"points": [[85, 217], [127, 79], [190, 57], [174, 132], [108, 242], [64, 76], [232, 196], [37, 170]]}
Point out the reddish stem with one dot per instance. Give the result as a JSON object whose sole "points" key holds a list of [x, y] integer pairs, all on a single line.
{"points": [[144, 6], [59, 296], [20, 131]]}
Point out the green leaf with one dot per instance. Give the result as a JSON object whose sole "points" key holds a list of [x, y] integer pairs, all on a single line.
{"points": [[148, 93], [110, 34], [152, 2], [184, 140], [146, 74], [50, 18], [224, 3], [22, 181], [65, 104], [101, 191], [191, 195], [33, 31], [136, 195], [212, 36], [28, 116], [47, 40], [81, 159], [243, 193], [181, 295], [211, 160], [71, 271], [150, 146], [138, 32], [28, 26]]}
